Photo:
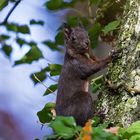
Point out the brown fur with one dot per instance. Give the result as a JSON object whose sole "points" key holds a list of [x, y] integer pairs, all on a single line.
{"points": [[73, 98]]}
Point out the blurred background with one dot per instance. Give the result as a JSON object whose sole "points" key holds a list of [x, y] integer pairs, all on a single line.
{"points": [[20, 97], [20, 100]]}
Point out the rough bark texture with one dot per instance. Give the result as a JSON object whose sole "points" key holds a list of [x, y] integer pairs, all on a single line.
{"points": [[121, 101]]}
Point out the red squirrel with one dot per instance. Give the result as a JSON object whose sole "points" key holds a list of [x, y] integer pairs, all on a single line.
{"points": [[73, 98]]}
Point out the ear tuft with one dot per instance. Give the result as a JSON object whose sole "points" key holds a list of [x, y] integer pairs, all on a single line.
{"points": [[67, 30], [80, 24]]}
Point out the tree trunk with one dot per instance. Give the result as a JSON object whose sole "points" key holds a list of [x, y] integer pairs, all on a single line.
{"points": [[120, 96]]}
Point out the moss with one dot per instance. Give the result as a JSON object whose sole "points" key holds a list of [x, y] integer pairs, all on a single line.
{"points": [[138, 45], [119, 110]]}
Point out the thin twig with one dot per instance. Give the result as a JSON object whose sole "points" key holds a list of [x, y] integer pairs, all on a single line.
{"points": [[10, 12], [42, 83], [97, 78]]}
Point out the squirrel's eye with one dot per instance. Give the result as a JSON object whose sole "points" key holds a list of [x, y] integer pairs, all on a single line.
{"points": [[87, 43]]}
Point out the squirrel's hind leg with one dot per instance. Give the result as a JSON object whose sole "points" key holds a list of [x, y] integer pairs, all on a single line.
{"points": [[80, 107]]}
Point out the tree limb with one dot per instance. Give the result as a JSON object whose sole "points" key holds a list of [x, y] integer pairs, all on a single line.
{"points": [[10, 12]]}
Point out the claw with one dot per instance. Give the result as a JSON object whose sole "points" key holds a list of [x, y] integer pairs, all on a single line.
{"points": [[115, 53]]}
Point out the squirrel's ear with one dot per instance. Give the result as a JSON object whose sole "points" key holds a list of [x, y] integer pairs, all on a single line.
{"points": [[80, 24], [67, 30]]}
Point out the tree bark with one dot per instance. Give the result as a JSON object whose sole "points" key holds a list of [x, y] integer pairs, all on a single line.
{"points": [[120, 96]]}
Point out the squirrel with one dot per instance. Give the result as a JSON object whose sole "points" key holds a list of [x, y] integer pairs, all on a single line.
{"points": [[73, 98]]}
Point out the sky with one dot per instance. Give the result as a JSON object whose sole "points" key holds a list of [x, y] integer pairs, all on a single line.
{"points": [[18, 95]]}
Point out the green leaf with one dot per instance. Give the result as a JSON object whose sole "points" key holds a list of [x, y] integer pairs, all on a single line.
{"points": [[134, 128], [96, 120], [74, 21], [39, 22], [24, 29], [64, 127], [96, 87], [51, 45], [96, 84], [33, 54], [7, 49], [45, 115], [50, 89], [50, 105], [135, 137], [131, 130], [3, 4], [59, 4], [12, 27], [21, 41], [94, 33], [98, 133], [40, 75], [32, 43], [4, 37], [55, 69], [59, 38], [111, 26], [54, 4]]}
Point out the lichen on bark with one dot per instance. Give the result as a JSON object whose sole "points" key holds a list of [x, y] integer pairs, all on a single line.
{"points": [[121, 105]]}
